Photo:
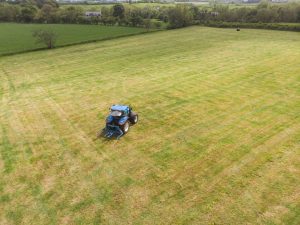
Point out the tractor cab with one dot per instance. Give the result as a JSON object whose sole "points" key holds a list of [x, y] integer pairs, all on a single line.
{"points": [[119, 110]]}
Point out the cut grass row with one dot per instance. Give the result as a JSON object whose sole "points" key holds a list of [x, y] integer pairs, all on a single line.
{"points": [[217, 141], [16, 38]]}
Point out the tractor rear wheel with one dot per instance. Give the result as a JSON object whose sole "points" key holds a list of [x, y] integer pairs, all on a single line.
{"points": [[134, 118], [125, 127]]}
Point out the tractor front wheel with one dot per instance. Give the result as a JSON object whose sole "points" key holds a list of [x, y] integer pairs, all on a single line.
{"points": [[125, 127]]}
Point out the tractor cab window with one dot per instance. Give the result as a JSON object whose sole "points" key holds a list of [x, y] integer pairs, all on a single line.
{"points": [[116, 113]]}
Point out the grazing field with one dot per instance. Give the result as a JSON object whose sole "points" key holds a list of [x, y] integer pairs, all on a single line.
{"points": [[218, 140], [18, 37]]}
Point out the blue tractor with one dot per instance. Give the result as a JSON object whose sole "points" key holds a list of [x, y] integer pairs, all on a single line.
{"points": [[119, 121]]}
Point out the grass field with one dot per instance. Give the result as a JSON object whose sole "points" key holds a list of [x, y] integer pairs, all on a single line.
{"points": [[18, 37], [218, 140]]}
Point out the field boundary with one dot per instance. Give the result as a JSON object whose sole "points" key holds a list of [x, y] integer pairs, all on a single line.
{"points": [[263, 26], [258, 26], [77, 43]]}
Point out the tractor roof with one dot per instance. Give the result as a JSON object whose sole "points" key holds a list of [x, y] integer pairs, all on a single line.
{"points": [[119, 107]]}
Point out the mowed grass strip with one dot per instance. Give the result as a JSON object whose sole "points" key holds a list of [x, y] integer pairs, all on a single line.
{"points": [[18, 37], [217, 142]]}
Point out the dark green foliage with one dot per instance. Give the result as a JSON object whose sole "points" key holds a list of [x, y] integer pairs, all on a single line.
{"points": [[71, 14], [180, 16], [47, 37], [136, 20], [27, 13], [118, 11], [157, 24], [47, 11], [264, 12], [9, 12], [147, 24], [47, 14]]}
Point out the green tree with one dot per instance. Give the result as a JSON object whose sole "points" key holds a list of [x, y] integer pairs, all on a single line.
{"points": [[28, 13], [118, 11], [48, 13], [71, 14], [47, 37], [9, 12], [265, 15], [136, 20], [180, 16], [147, 24], [157, 24]]}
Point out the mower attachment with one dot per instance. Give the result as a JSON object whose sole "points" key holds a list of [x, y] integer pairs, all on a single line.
{"points": [[112, 130]]}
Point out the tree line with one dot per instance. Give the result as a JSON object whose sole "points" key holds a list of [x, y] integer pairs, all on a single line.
{"points": [[48, 11], [181, 15]]}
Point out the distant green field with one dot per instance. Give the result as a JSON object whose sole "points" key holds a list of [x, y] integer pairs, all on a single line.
{"points": [[218, 141], [18, 37]]}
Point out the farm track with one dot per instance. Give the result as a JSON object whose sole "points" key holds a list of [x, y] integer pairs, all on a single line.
{"points": [[218, 139]]}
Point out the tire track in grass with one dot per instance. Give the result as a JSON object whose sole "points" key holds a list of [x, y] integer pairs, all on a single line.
{"points": [[221, 90], [266, 173], [89, 148], [9, 80], [31, 141], [66, 120], [64, 117], [42, 157], [192, 86], [279, 138], [52, 165], [226, 128], [280, 169], [24, 182], [264, 96], [218, 92], [201, 199], [221, 125], [193, 167], [7, 152], [1, 88], [6, 147], [253, 79], [167, 181], [293, 218]]}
